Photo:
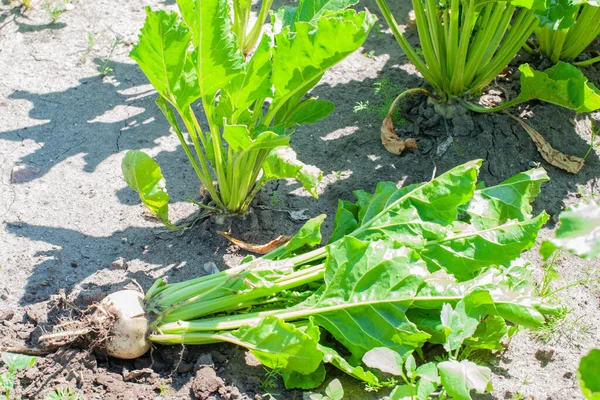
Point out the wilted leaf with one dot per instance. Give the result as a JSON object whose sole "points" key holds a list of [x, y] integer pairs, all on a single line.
{"points": [[392, 142], [572, 164], [257, 248]]}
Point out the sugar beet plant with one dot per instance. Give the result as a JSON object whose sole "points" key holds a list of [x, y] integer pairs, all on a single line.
{"points": [[466, 44], [250, 105], [568, 37], [405, 269]]}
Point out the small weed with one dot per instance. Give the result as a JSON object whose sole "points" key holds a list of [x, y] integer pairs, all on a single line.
{"points": [[563, 326], [518, 396], [65, 393], [276, 199], [91, 42], [338, 175], [55, 9], [385, 92], [270, 381], [13, 362], [104, 68], [361, 106], [163, 390], [370, 54], [593, 143]]}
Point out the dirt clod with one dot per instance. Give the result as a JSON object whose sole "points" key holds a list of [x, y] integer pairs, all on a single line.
{"points": [[206, 383]]}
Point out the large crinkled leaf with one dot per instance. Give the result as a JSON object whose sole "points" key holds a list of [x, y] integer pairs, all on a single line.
{"points": [[579, 232], [250, 85], [562, 84], [216, 54], [282, 163], [495, 295], [368, 288], [589, 378], [304, 54], [559, 14], [143, 175], [308, 235], [417, 212], [465, 250], [280, 345], [510, 199], [162, 54], [311, 10], [459, 378]]}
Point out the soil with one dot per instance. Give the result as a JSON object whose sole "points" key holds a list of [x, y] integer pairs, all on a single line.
{"points": [[72, 232]]}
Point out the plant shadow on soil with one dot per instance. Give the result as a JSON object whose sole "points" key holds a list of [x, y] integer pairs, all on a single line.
{"points": [[345, 142]]}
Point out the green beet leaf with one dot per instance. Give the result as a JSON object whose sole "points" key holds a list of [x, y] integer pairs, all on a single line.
{"points": [[510, 199], [162, 54], [579, 232], [282, 163], [332, 357], [308, 236], [384, 359], [562, 84], [143, 175], [16, 362], [280, 345], [368, 288], [303, 56], [309, 111], [216, 55], [589, 379], [459, 378], [296, 380]]}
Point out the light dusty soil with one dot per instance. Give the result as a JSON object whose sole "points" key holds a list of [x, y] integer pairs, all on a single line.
{"points": [[71, 231]]}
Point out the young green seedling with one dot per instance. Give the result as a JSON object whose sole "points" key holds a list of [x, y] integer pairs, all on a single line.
{"points": [[13, 363]]}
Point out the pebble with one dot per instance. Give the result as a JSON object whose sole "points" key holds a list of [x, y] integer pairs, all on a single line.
{"points": [[119, 263]]}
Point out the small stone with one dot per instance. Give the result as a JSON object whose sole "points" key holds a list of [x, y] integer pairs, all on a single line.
{"points": [[211, 268], [119, 263], [205, 359], [21, 173]]}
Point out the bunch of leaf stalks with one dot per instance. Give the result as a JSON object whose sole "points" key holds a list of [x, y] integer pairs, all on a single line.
{"points": [[566, 39], [251, 104], [396, 258]]}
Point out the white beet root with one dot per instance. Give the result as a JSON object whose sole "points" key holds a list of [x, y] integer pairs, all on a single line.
{"points": [[128, 334]]}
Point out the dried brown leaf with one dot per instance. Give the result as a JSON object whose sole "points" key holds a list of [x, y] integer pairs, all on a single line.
{"points": [[257, 248], [391, 141], [572, 164]]}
